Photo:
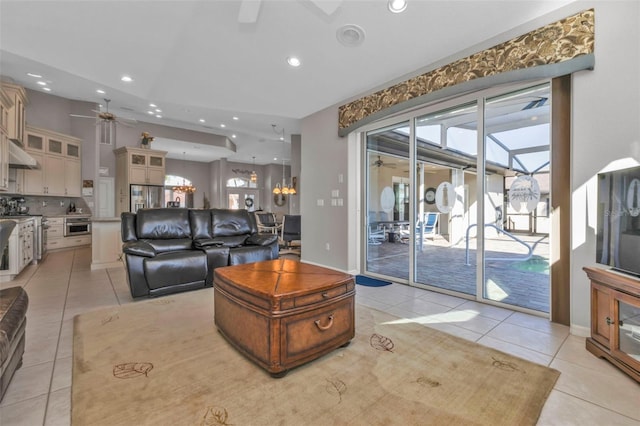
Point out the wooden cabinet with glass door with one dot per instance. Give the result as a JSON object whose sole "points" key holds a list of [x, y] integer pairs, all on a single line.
{"points": [[145, 167], [136, 166], [615, 319], [59, 157]]}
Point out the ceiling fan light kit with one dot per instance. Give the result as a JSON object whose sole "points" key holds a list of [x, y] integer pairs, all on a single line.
{"points": [[107, 122]]}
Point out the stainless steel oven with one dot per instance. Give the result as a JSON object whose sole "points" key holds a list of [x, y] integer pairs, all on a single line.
{"points": [[77, 226]]}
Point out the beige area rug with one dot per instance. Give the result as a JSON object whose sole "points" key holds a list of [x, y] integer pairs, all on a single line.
{"points": [[162, 362]]}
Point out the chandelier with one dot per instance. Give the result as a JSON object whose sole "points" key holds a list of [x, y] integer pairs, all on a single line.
{"points": [[254, 176], [283, 188], [184, 188]]}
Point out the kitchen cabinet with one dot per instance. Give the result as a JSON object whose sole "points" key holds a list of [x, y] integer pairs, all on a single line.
{"points": [[141, 166], [5, 105], [59, 157], [15, 114], [4, 161], [55, 233], [136, 166], [16, 181], [56, 239], [615, 319], [20, 248], [106, 243]]}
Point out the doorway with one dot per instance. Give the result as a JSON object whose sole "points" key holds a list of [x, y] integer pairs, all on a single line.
{"points": [[477, 175]]}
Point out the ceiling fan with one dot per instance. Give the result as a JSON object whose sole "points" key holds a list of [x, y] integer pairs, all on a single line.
{"points": [[249, 9], [380, 163], [107, 117]]}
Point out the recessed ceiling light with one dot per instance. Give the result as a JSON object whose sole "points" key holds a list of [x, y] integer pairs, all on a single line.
{"points": [[153, 105], [102, 92], [126, 79], [150, 112], [350, 35], [397, 6], [233, 136], [30, 74], [202, 120], [42, 83], [46, 89], [293, 61], [158, 110], [158, 116], [236, 118], [223, 125]]}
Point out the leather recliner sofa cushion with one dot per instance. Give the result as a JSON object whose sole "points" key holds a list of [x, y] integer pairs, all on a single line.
{"points": [[242, 255], [231, 223], [178, 267], [157, 224]]}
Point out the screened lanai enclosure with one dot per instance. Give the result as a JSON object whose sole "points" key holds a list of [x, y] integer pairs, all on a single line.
{"points": [[458, 197]]}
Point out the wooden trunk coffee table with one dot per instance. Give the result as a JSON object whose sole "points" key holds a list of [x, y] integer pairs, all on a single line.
{"points": [[283, 313]]}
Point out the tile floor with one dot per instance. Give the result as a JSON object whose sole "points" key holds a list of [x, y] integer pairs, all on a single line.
{"points": [[589, 391]]}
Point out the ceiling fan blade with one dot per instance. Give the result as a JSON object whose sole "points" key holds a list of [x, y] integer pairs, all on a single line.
{"points": [[82, 116], [249, 10]]}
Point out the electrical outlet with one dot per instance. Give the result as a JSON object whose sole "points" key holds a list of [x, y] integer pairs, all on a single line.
{"points": [[61, 203], [327, 246], [44, 204]]}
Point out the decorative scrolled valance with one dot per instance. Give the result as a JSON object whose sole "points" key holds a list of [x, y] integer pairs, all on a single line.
{"points": [[556, 49]]}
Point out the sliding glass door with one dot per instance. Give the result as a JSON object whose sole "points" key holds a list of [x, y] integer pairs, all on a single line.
{"points": [[445, 143], [388, 202], [457, 198], [517, 229]]}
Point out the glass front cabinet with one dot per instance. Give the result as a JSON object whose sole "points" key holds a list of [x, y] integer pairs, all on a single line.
{"points": [[615, 319]]}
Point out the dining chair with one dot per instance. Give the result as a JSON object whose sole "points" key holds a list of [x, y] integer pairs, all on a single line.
{"points": [[267, 223], [291, 234]]}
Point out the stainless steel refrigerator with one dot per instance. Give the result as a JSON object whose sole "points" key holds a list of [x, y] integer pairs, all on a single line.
{"points": [[146, 196]]}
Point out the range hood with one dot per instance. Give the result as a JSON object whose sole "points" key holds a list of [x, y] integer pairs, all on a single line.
{"points": [[19, 159]]}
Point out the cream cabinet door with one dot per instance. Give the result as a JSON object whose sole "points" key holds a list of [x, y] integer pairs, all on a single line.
{"points": [[4, 162], [155, 176], [34, 179], [54, 174], [138, 175], [72, 178]]}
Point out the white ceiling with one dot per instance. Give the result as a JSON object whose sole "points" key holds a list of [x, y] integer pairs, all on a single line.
{"points": [[195, 60]]}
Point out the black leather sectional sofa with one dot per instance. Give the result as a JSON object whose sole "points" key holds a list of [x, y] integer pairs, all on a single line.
{"points": [[168, 250]]}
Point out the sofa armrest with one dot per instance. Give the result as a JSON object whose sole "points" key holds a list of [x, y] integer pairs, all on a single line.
{"points": [[206, 242], [139, 248], [261, 239]]}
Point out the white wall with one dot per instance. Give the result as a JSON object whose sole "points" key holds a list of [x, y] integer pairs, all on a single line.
{"points": [[324, 158], [605, 128]]}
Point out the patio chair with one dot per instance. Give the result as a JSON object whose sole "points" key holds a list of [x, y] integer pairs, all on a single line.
{"points": [[431, 225], [424, 229], [376, 236], [291, 234]]}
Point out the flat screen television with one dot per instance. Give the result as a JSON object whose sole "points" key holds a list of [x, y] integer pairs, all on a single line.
{"points": [[618, 233]]}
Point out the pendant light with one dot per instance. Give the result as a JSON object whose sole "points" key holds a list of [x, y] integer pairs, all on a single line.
{"points": [[283, 188], [184, 188], [254, 176]]}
